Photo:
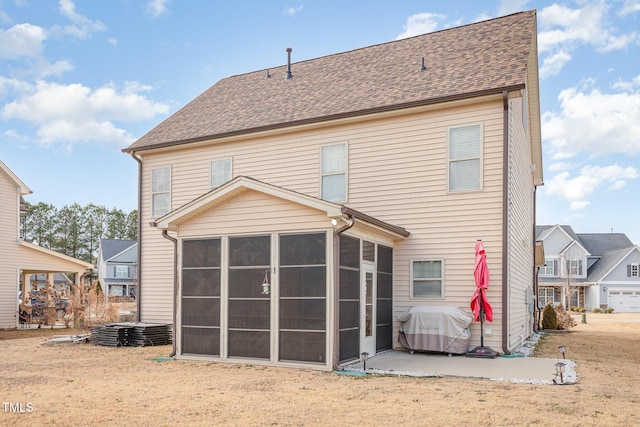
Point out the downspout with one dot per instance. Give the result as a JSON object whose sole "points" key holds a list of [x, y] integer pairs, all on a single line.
{"points": [[175, 289], [336, 286], [505, 219], [139, 237], [536, 269]]}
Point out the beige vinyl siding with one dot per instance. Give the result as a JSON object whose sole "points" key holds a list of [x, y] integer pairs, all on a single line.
{"points": [[253, 212], [397, 173], [9, 223], [520, 227]]}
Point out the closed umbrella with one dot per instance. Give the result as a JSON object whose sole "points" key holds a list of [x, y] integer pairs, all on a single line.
{"points": [[480, 303]]}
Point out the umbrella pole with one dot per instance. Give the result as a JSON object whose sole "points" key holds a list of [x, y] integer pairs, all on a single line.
{"points": [[481, 318], [482, 351]]}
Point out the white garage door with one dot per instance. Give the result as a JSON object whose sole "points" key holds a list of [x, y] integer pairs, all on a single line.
{"points": [[625, 300]]}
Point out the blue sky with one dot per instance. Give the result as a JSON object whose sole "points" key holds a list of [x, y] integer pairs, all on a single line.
{"points": [[81, 79]]}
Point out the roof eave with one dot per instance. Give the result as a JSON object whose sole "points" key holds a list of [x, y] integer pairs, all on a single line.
{"points": [[327, 118]]}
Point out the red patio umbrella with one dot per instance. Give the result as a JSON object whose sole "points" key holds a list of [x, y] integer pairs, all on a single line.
{"points": [[480, 303]]}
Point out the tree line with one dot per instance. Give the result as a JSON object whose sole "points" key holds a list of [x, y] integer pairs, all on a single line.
{"points": [[76, 230]]}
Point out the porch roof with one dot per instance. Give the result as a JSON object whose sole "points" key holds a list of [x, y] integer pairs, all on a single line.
{"points": [[242, 184]]}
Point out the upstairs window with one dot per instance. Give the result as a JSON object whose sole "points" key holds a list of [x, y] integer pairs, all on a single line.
{"points": [[220, 172], [334, 172], [122, 271], [633, 270], [427, 279], [465, 147], [160, 191], [574, 267], [549, 268]]}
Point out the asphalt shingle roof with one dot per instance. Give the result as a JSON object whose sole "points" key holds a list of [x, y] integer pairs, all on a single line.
{"points": [[485, 57], [112, 247]]}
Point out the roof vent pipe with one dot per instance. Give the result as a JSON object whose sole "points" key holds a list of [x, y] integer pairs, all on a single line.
{"points": [[423, 67], [289, 75]]}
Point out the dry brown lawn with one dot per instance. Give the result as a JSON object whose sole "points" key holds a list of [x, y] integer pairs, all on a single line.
{"points": [[83, 384]]}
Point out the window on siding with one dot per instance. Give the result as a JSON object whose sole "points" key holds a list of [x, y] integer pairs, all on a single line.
{"points": [[574, 267], [549, 268], [634, 270], [427, 279], [334, 172], [546, 295], [160, 191], [122, 271], [220, 172], [465, 145]]}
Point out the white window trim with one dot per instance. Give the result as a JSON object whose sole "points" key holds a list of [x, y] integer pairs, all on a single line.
{"points": [[123, 268], [579, 265], [480, 158], [153, 214], [230, 159], [637, 267], [346, 171], [553, 273], [442, 272], [553, 296]]}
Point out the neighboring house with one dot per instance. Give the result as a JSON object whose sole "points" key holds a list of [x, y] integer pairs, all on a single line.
{"points": [[20, 259], [294, 213], [117, 269], [590, 270]]}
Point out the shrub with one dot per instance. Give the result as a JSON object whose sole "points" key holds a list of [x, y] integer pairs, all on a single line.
{"points": [[565, 321], [608, 310], [596, 310], [549, 317], [582, 309]]}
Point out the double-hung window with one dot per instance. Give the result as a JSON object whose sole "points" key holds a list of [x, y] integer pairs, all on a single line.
{"points": [[575, 267], [160, 191], [427, 279], [549, 268], [465, 162], [334, 172], [220, 172], [122, 271], [634, 270]]}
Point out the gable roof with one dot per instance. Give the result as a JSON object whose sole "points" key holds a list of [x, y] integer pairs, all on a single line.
{"points": [[473, 60], [112, 247], [241, 184], [22, 187], [599, 244], [608, 262]]}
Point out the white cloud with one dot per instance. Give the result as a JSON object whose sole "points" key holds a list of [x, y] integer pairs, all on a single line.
{"points": [[82, 26], [630, 6], [22, 40], [553, 64], [293, 11], [155, 8], [595, 122], [562, 29], [592, 178], [421, 23], [67, 114]]}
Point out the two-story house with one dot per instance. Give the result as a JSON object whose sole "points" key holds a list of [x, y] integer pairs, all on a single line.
{"points": [[117, 269], [590, 270], [19, 259], [290, 215]]}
